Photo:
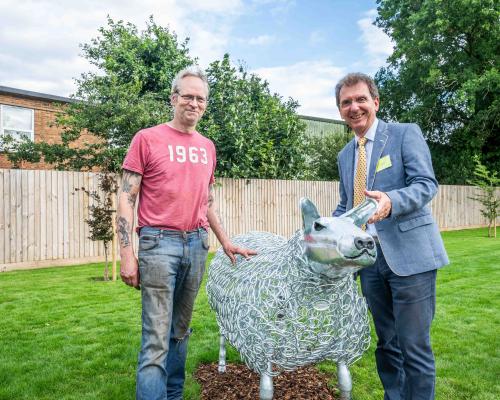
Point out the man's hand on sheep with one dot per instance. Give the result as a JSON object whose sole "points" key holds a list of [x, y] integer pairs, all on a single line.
{"points": [[231, 250], [384, 205]]}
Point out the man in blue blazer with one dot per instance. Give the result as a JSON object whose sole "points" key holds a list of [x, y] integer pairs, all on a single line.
{"points": [[400, 287]]}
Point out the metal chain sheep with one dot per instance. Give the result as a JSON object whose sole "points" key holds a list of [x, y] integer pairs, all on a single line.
{"points": [[295, 302]]}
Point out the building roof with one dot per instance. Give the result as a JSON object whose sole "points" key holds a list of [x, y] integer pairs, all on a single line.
{"points": [[35, 95], [319, 119]]}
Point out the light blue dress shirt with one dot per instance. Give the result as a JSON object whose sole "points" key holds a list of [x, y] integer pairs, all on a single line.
{"points": [[370, 136]]}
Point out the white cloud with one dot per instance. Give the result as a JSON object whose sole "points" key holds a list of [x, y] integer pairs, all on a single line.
{"points": [[311, 83], [262, 40], [377, 45], [39, 40], [48, 75], [208, 24], [213, 6], [275, 7]]}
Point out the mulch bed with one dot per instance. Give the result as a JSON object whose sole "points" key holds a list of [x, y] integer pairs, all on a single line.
{"points": [[239, 383]]}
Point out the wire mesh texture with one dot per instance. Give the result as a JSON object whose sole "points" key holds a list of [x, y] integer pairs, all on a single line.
{"points": [[275, 308]]}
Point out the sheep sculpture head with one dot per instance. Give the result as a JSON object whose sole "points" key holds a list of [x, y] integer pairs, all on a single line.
{"points": [[295, 302], [337, 246]]}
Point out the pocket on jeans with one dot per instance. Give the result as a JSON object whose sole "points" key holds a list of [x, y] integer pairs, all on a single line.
{"points": [[204, 240], [148, 242]]}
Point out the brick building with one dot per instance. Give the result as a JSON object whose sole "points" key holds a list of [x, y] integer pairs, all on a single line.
{"points": [[32, 114]]}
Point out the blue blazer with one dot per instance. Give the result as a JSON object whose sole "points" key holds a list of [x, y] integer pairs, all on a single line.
{"points": [[409, 237]]}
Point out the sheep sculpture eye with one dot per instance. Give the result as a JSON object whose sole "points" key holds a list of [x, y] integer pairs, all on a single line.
{"points": [[318, 226]]}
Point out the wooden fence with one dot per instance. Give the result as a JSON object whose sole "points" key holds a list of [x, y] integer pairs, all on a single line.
{"points": [[42, 216]]}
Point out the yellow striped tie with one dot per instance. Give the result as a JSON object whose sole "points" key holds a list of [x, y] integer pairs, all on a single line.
{"points": [[360, 178]]}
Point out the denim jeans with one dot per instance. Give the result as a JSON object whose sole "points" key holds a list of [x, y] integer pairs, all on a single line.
{"points": [[171, 265], [403, 309]]}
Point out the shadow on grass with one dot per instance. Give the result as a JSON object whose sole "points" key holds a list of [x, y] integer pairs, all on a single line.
{"points": [[99, 279]]}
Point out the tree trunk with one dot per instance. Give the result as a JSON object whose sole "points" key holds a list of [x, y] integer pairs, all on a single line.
{"points": [[113, 243], [106, 270]]}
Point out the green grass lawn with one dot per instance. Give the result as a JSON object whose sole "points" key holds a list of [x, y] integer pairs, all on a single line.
{"points": [[66, 334]]}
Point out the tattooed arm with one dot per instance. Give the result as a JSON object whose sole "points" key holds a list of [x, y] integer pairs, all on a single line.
{"points": [[129, 267], [215, 222]]}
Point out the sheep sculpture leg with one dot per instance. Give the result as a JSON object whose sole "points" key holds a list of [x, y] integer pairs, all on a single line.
{"points": [[266, 385], [266, 380], [222, 354], [345, 382], [266, 390]]}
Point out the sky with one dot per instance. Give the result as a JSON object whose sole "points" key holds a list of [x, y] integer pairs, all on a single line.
{"points": [[301, 47]]}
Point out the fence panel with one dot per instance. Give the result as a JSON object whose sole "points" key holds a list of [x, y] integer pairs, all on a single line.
{"points": [[42, 218]]}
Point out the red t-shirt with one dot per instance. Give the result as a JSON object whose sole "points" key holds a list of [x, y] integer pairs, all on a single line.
{"points": [[176, 169]]}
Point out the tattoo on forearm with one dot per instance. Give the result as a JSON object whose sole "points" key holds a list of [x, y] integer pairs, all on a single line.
{"points": [[211, 197], [131, 198], [211, 204], [217, 213], [130, 182], [126, 186], [124, 231]]}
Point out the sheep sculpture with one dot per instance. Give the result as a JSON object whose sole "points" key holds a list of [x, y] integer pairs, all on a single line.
{"points": [[296, 302]]}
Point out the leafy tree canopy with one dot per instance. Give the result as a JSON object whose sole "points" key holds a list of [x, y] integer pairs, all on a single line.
{"points": [[256, 133], [444, 75]]}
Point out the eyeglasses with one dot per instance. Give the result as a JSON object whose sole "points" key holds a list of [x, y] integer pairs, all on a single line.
{"points": [[188, 98]]}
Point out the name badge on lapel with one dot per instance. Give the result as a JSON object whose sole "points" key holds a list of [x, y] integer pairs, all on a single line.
{"points": [[383, 163]]}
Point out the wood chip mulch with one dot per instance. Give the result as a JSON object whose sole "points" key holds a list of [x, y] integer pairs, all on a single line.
{"points": [[239, 383]]}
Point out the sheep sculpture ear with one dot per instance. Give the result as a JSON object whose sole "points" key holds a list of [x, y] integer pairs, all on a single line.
{"points": [[362, 213], [309, 214]]}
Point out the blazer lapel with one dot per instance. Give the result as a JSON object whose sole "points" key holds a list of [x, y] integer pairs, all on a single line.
{"points": [[350, 160], [378, 146]]}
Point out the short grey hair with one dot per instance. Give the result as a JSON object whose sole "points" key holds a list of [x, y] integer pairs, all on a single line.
{"points": [[192, 70], [353, 79]]}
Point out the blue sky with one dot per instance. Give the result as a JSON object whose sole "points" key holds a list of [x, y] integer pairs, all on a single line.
{"points": [[301, 47], [301, 31]]}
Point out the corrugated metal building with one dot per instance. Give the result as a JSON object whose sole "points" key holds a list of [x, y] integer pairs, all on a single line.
{"points": [[321, 126]]}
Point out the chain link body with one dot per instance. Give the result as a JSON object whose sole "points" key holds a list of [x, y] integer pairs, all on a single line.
{"points": [[274, 308]]}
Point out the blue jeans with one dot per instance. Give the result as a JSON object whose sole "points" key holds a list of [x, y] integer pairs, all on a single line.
{"points": [[402, 308], [171, 265]]}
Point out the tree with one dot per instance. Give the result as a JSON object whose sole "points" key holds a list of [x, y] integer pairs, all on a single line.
{"points": [[101, 212], [488, 184], [322, 152], [257, 134], [443, 74]]}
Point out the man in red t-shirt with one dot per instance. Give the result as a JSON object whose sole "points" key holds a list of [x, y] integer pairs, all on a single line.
{"points": [[172, 167]]}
